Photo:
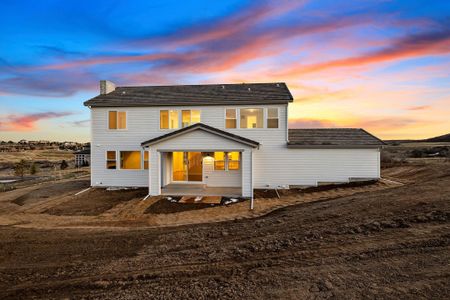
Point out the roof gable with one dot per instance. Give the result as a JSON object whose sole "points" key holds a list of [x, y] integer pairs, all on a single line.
{"points": [[204, 127], [206, 94]]}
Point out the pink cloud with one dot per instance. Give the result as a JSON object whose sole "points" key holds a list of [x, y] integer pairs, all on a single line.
{"points": [[27, 122], [431, 43]]}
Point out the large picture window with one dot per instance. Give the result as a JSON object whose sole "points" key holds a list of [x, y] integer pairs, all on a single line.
{"points": [[168, 119], [189, 117], [130, 160], [117, 119], [111, 160], [251, 118], [230, 118], [272, 117]]}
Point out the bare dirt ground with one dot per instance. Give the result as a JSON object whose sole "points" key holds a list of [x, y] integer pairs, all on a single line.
{"points": [[391, 242]]}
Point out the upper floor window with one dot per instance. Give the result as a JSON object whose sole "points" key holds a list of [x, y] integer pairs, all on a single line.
{"points": [[168, 119], [117, 119], [230, 118], [189, 117], [251, 117], [272, 117]]}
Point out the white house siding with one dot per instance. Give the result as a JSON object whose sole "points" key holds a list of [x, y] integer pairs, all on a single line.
{"points": [[310, 166], [231, 178], [143, 124], [273, 163]]}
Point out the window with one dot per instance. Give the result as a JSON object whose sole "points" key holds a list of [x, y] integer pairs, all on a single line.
{"points": [[145, 160], [111, 159], [226, 161], [230, 118], [272, 118], [219, 160], [251, 118], [130, 160], [164, 119], [233, 159], [168, 119], [117, 119], [189, 117]]}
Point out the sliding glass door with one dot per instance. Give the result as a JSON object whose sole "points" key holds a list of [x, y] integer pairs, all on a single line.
{"points": [[187, 166]]}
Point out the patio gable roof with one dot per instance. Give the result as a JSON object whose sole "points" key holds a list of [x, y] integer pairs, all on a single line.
{"points": [[204, 127]]}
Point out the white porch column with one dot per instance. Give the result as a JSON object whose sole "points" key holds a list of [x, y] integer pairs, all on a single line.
{"points": [[246, 165], [154, 172]]}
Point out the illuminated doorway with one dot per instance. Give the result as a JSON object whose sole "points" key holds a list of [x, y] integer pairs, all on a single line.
{"points": [[187, 166]]}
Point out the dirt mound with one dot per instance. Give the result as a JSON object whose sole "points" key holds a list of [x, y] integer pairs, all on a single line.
{"points": [[95, 202], [164, 206], [419, 171], [55, 190], [389, 243]]}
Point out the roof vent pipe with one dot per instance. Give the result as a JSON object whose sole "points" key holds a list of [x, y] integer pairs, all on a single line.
{"points": [[106, 87]]}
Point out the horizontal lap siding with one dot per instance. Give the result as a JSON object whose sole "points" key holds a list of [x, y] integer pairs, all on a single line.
{"points": [[143, 124], [309, 166], [213, 177]]}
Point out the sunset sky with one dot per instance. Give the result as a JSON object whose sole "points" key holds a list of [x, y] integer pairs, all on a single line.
{"points": [[380, 65]]}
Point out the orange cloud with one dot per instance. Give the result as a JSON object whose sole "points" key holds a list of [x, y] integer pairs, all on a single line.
{"points": [[430, 43], [27, 122]]}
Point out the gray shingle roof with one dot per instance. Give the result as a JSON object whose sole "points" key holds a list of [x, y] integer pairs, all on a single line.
{"points": [[332, 138], [206, 94]]}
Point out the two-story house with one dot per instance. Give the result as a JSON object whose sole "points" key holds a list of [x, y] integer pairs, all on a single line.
{"points": [[217, 139]]}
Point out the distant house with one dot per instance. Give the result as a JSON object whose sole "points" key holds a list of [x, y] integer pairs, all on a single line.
{"points": [[83, 158], [224, 139]]}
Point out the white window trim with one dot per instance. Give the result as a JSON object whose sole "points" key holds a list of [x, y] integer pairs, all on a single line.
{"points": [[143, 159], [225, 118], [267, 118], [119, 162], [180, 117], [106, 160], [251, 107], [117, 121], [226, 160]]}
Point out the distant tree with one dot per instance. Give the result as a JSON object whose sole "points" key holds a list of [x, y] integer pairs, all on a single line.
{"points": [[19, 168], [64, 165], [34, 168], [85, 163]]}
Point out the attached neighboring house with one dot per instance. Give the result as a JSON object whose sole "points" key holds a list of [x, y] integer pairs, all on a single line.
{"points": [[83, 158], [224, 139]]}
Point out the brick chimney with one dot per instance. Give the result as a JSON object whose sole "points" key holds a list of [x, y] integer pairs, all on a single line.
{"points": [[106, 87]]}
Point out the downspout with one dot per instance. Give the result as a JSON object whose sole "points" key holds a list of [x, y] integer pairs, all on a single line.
{"points": [[149, 177], [251, 180], [287, 123]]}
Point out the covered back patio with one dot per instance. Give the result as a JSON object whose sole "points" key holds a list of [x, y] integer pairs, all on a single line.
{"points": [[200, 160]]}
